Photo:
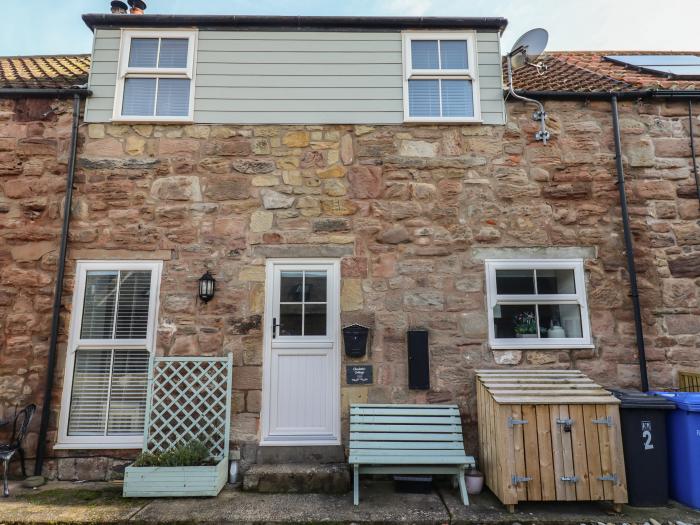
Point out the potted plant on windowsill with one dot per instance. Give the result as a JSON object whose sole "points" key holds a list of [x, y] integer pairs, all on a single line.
{"points": [[183, 470], [525, 325]]}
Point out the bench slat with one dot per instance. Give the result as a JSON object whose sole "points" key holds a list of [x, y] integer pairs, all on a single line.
{"points": [[408, 454], [407, 436], [407, 446], [413, 460], [404, 412], [392, 405], [413, 420], [359, 427]]}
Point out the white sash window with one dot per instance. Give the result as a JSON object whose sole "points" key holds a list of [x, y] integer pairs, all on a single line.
{"points": [[109, 348], [440, 80], [156, 76], [537, 304]]}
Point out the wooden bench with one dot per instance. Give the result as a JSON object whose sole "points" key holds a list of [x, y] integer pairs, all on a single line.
{"points": [[407, 439]]}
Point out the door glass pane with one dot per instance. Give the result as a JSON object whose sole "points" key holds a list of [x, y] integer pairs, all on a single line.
{"points": [[453, 54], [555, 281], [98, 305], [143, 52], [424, 98], [515, 282], [290, 319], [316, 287], [173, 52], [514, 321], [424, 54], [457, 99], [139, 97], [291, 284], [173, 97], [560, 320], [315, 319]]}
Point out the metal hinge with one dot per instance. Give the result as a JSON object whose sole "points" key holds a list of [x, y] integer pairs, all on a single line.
{"points": [[520, 479], [604, 421], [512, 422], [608, 477], [570, 479], [565, 421]]}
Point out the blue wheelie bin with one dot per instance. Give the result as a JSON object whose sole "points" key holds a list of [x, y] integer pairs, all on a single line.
{"points": [[683, 427]]}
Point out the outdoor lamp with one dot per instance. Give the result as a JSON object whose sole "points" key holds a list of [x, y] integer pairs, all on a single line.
{"points": [[207, 283]]}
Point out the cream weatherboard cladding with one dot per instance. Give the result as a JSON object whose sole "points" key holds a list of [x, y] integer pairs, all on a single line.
{"points": [[314, 77]]}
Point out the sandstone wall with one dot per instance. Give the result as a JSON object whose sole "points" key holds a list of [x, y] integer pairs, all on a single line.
{"points": [[407, 209]]}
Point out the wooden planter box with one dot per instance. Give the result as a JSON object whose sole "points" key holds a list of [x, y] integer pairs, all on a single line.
{"points": [[156, 482], [549, 436]]}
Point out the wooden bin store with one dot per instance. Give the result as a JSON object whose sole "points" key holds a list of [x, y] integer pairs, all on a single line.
{"points": [[549, 435]]}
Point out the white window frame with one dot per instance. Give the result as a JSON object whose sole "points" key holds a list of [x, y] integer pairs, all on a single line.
{"points": [[124, 72], [428, 74], [579, 298], [75, 343]]}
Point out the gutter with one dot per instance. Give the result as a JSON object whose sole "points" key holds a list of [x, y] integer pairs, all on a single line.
{"points": [[296, 23], [58, 293], [44, 92], [609, 95]]}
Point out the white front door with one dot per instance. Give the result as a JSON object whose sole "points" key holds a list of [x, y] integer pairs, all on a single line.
{"points": [[301, 376]]}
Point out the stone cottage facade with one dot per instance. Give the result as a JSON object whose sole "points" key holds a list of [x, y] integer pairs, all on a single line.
{"points": [[410, 212]]}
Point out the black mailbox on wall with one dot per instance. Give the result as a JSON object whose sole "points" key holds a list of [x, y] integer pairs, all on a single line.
{"points": [[355, 340], [418, 360]]}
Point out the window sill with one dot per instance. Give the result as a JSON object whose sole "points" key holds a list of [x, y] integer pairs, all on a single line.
{"points": [[444, 120], [99, 446], [153, 120], [541, 346]]}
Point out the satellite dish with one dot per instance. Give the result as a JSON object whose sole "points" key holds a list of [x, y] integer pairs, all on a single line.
{"points": [[528, 47]]}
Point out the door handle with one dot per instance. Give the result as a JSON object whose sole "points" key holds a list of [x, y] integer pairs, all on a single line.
{"points": [[274, 327]]}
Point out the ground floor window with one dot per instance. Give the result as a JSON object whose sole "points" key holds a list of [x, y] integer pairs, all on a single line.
{"points": [[109, 349], [537, 304]]}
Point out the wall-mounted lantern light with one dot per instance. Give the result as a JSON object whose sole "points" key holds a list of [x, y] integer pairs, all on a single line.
{"points": [[207, 284]]}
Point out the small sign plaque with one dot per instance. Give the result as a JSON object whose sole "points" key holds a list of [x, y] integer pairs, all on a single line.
{"points": [[358, 374]]}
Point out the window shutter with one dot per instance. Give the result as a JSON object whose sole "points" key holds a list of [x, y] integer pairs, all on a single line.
{"points": [[424, 98], [173, 97], [453, 54], [139, 96], [134, 300], [129, 383], [457, 98], [88, 405], [173, 52], [143, 52]]}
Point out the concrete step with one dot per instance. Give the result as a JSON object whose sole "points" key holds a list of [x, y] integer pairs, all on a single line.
{"points": [[296, 478], [308, 454]]}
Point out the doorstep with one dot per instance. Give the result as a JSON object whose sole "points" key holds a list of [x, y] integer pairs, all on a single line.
{"points": [[64, 502]]}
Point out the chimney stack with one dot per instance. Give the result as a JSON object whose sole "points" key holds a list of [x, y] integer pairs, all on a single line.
{"points": [[137, 7], [118, 7]]}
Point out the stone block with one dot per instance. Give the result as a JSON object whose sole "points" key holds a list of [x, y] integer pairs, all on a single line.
{"points": [[253, 166], [227, 187], [418, 148], [424, 300], [351, 296], [177, 188], [247, 377], [274, 200], [474, 325], [252, 273], [365, 182], [507, 357], [683, 324], [296, 139], [261, 221]]}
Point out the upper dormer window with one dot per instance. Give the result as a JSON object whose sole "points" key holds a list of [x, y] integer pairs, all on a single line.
{"points": [[156, 76], [440, 82]]}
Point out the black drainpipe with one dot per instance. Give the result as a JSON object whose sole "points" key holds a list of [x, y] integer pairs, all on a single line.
{"points": [[58, 294], [629, 249], [692, 148]]}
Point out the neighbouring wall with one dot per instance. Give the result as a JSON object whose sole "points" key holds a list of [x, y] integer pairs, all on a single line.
{"points": [[410, 210]]}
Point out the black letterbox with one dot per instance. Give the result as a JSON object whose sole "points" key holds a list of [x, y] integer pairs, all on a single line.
{"points": [[418, 360], [355, 340]]}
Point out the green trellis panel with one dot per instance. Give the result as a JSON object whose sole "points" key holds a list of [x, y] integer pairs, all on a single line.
{"points": [[188, 398]]}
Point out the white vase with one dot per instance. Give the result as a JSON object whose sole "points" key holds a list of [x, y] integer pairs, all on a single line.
{"points": [[556, 331], [475, 482]]}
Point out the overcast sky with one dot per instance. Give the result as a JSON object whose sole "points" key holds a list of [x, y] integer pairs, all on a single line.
{"points": [[32, 27]]}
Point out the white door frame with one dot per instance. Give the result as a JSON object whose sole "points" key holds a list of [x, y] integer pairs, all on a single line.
{"points": [[333, 291]]}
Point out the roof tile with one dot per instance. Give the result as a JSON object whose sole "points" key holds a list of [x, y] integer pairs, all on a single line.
{"points": [[44, 72]]}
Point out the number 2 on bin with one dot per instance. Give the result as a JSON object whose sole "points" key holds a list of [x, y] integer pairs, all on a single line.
{"points": [[646, 435]]}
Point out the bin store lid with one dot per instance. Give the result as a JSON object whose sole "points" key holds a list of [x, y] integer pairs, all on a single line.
{"points": [[689, 401], [635, 399]]}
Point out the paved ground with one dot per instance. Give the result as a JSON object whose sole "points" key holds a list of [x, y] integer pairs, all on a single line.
{"points": [[102, 503]]}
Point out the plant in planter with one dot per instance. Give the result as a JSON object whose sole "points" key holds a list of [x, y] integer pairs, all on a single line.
{"points": [[191, 454], [525, 324]]}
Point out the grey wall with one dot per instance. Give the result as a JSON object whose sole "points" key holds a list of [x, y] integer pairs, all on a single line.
{"points": [[252, 77]]}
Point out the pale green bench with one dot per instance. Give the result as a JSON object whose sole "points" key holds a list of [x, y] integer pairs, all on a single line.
{"points": [[407, 439]]}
